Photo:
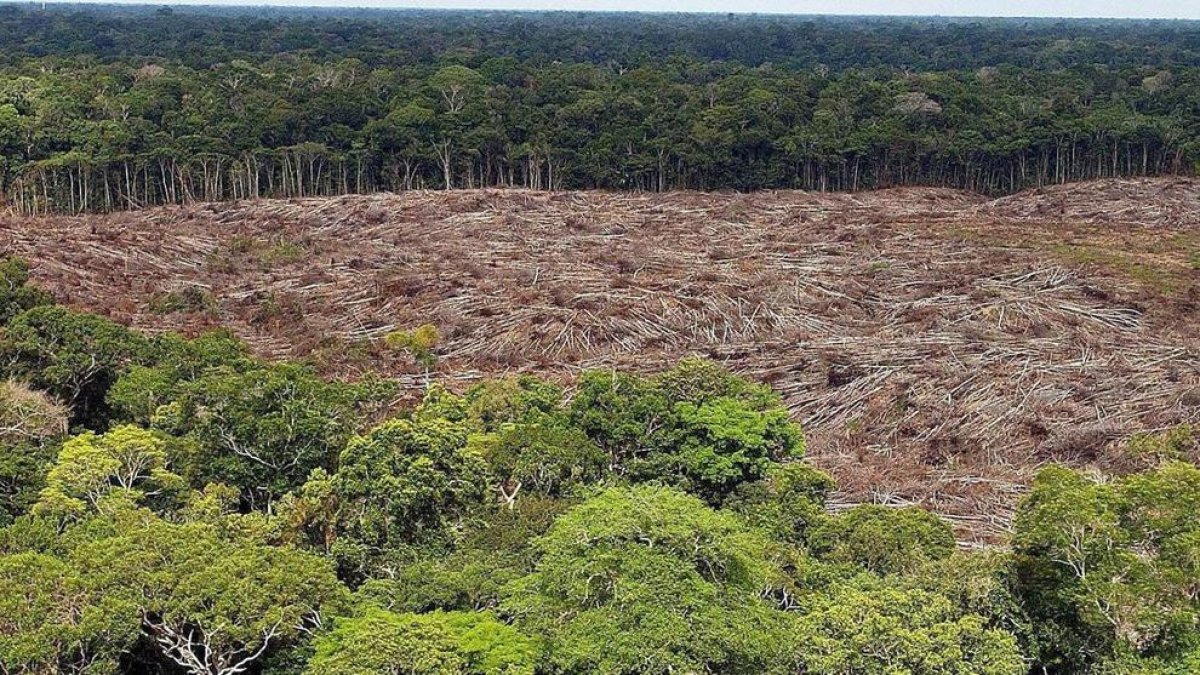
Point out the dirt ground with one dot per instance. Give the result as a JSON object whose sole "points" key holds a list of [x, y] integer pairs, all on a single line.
{"points": [[937, 347]]}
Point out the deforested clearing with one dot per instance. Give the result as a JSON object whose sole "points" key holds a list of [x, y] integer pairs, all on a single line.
{"points": [[937, 346]]}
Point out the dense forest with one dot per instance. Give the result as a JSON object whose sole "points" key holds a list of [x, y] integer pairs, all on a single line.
{"points": [[174, 506], [120, 108]]}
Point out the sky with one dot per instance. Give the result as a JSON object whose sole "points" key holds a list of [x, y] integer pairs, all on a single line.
{"points": [[1161, 9]]}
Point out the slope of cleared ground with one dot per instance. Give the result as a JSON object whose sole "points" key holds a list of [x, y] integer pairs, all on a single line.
{"points": [[937, 347]]}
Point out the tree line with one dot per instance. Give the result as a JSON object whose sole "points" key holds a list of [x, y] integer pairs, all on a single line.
{"points": [[89, 127], [179, 506], [199, 36]]}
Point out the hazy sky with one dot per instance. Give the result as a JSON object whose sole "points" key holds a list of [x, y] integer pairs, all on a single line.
{"points": [[1166, 9]]}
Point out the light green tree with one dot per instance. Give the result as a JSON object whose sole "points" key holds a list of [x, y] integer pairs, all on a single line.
{"points": [[128, 461], [51, 621], [885, 631], [211, 605], [439, 643], [408, 479]]}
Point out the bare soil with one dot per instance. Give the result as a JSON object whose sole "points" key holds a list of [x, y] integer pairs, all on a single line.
{"points": [[938, 347]]}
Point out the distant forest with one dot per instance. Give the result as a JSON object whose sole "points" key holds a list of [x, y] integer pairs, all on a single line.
{"points": [[105, 108]]}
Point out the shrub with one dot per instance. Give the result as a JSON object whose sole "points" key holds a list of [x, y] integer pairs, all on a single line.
{"points": [[420, 343], [186, 299]]}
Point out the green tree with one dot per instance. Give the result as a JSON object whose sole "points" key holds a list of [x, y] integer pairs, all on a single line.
{"points": [[73, 356], [724, 443], [11, 127], [129, 461], [788, 503], [880, 631], [453, 643], [1108, 569], [696, 426], [544, 458], [52, 622], [16, 295], [494, 551], [31, 424], [883, 540], [494, 403], [175, 362], [980, 583], [650, 580], [407, 481], [262, 430], [210, 605]]}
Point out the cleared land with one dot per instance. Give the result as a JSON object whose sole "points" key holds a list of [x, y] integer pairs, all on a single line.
{"points": [[937, 346]]}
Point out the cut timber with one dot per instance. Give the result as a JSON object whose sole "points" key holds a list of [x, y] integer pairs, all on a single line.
{"points": [[937, 346]]}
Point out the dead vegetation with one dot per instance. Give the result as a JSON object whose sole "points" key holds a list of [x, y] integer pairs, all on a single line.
{"points": [[28, 416], [938, 347], [1156, 203]]}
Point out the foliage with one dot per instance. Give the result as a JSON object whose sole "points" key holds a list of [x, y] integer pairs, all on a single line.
{"points": [[1175, 444], [1109, 569], [495, 551], [100, 113], [649, 524], [696, 426], [186, 299], [52, 622], [1136, 665], [211, 606], [468, 579], [983, 584], [30, 425], [16, 295], [405, 478], [883, 540], [419, 342], [264, 429], [545, 458], [787, 503], [128, 460], [649, 580], [879, 631], [142, 389], [407, 481], [492, 404], [423, 644], [73, 356]]}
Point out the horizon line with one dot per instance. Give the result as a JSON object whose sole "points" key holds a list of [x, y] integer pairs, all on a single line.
{"points": [[376, 6]]}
